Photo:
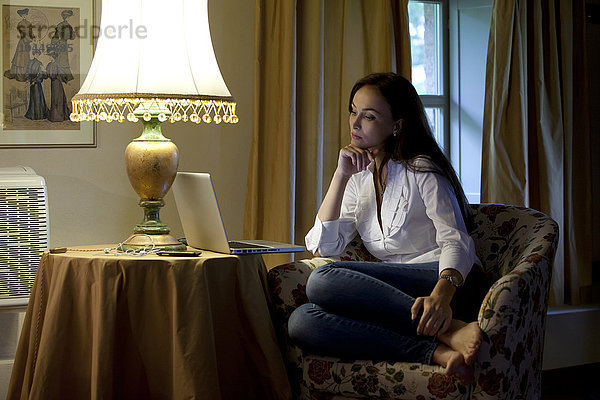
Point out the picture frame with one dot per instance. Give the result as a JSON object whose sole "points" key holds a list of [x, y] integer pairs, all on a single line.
{"points": [[46, 51]]}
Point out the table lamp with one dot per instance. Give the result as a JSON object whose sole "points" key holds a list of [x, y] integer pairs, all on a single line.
{"points": [[154, 62]]}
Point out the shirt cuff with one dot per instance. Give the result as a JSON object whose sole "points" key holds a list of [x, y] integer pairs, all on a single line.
{"points": [[321, 234], [456, 258]]}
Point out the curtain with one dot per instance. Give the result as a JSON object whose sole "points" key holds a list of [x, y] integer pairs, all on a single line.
{"points": [[270, 189], [309, 53], [536, 135]]}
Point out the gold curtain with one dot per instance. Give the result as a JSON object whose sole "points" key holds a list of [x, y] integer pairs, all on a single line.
{"points": [[269, 187], [309, 53], [536, 127]]}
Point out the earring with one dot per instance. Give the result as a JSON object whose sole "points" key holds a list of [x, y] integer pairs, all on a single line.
{"points": [[395, 133]]}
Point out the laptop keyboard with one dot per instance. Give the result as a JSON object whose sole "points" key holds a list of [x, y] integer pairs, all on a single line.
{"points": [[241, 245]]}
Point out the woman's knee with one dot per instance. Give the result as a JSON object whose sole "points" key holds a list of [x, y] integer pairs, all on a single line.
{"points": [[329, 283], [318, 282], [304, 322]]}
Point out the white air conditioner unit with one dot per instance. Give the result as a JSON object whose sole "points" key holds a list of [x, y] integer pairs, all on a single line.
{"points": [[24, 232]]}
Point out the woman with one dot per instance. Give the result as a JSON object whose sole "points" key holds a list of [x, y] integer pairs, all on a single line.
{"points": [[63, 33], [396, 189], [60, 110], [21, 57], [37, 108]]}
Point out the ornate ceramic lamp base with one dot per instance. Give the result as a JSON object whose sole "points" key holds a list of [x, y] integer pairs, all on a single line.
{"points": [[151, 162], [152, 234], [156, 242]]}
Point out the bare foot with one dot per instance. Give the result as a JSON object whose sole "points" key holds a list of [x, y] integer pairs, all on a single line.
{"points": [[454, 363], [463, 338], [457, 368]]}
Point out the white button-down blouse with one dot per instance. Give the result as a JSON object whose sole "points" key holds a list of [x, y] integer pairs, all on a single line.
{"points": [[420, 217]]}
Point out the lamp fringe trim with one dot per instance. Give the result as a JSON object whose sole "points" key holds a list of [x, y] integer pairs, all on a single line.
{"points": [[173, 110]]}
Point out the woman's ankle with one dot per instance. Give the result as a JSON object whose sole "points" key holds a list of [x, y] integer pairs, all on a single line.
{"points": [[455, 326], [441, 355], [465, 338]]}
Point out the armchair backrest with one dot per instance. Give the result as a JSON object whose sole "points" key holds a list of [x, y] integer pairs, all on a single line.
{"points": [[507, 235]]}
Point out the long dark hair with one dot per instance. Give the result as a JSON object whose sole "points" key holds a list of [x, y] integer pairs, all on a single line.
{"points": [[416, 139]]}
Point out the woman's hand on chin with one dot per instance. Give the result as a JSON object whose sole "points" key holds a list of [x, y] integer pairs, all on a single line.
{"points": [[353, 159]]}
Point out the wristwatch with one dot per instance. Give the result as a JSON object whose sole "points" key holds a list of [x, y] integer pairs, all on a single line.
{"points": [[452, 279]]}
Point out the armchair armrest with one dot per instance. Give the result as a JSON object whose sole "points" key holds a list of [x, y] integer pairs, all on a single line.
{"points": [[513, 318], [287, 285]]}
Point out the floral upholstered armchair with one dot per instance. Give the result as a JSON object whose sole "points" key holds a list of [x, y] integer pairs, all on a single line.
{"points": [[516, 246]]}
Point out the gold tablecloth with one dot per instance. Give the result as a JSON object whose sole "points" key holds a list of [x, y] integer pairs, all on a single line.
{"points": [[121, 327]]}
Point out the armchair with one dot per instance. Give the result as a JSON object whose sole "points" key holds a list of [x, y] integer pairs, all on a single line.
{"points": [[516, 246]]}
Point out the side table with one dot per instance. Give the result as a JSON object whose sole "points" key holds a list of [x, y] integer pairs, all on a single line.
{"points": [[148, 327]]}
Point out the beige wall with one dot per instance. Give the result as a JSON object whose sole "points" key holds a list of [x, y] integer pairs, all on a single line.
{"points": [[90, 198]]}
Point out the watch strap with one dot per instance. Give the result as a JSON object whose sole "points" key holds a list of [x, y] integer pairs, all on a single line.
{"points": [[452, 279]]}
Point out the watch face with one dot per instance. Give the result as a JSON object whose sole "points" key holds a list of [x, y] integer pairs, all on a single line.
{"points": [[452, 279]]}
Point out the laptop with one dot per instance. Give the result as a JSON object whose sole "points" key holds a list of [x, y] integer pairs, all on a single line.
{"points": [[202, 223]]}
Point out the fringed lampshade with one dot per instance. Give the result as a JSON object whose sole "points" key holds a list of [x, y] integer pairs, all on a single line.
{"points": [[154, 61]]}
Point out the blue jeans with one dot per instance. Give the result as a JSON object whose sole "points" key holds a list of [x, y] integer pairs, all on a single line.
{"points": [[361, 310]]}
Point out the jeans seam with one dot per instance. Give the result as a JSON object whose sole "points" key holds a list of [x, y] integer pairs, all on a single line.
{"points": [[414, 267], [365, 277]]}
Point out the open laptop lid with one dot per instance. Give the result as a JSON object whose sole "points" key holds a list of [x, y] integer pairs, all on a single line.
{"points": [[202, 222], [199, 212]]}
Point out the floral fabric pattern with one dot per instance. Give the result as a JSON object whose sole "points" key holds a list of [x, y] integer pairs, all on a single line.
{"points": [[516, 246], [370, 379]]}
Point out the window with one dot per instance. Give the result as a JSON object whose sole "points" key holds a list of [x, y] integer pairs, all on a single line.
{"points": [[449, 51], [427, 26]]}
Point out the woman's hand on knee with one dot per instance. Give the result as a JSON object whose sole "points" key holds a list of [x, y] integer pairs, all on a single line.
{"points": [[436, 316]]}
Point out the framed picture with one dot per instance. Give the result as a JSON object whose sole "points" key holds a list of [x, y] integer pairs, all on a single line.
{"points": [[47, 48]]}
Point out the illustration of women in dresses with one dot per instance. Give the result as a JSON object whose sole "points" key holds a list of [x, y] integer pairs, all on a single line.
{"points": [[37, 103], [64, 32], [21, 57], [59, 106]]}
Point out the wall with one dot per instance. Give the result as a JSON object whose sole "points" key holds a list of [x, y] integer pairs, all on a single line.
{"points": [[90, 199]]}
